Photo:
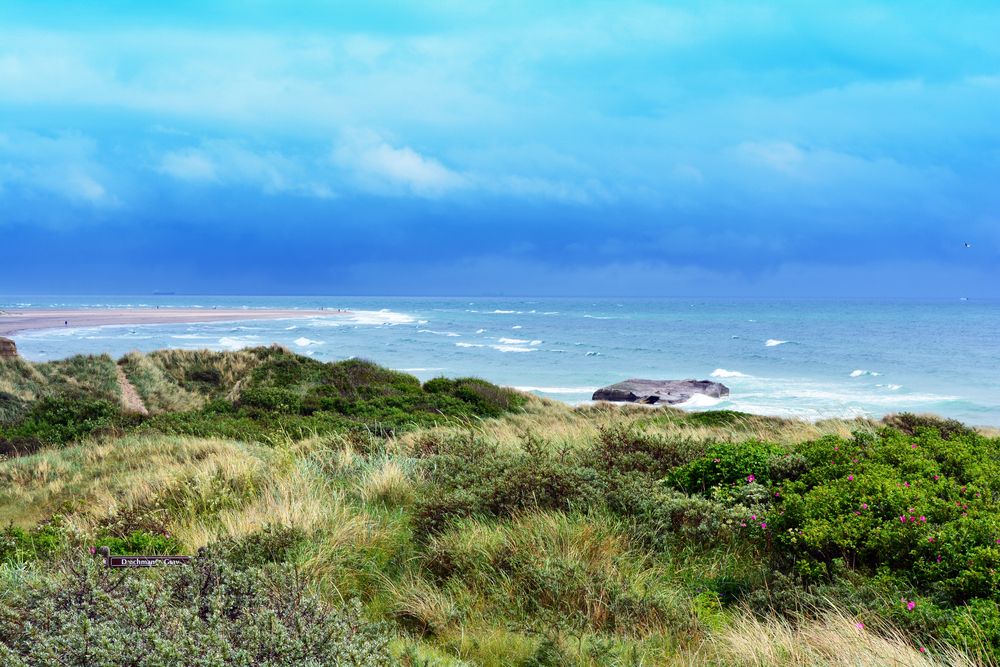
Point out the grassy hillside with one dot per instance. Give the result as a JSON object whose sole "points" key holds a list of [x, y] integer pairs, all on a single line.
{"points": [[348, 514]]}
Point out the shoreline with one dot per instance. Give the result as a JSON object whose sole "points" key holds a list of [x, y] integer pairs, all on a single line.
{"points": [[33, 319]]}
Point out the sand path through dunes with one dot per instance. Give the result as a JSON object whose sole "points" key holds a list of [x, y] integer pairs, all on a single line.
{"points": [[131, 400], [13, 321]]}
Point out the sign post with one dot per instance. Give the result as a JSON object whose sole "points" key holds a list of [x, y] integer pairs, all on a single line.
{"points": [[141, 561]]}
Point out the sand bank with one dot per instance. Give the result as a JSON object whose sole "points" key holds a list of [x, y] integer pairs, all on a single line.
{"points": [[13, 321]]}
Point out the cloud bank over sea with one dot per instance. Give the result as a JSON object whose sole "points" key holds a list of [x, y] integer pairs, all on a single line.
{"points": [[426, 148]]}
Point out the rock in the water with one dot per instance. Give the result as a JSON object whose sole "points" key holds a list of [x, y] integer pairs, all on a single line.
{"points": [[8, 350], [667, 392]]}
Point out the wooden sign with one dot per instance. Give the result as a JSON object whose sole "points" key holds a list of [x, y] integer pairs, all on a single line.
{"points": [[146, 561], [140, 561]]}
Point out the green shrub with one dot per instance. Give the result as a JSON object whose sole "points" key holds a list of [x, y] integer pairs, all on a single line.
{"points": [[726, 464], [140, 543], [205, 614], [42, 541], [58, 420], [629, 450]]}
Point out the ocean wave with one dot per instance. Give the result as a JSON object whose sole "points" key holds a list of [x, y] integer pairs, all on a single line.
{"points": [[504, 312], [469, 345], [723, 373], [593, 354], [512, 341], [450, 334], [773, 342], [517, 326], [479, 331], [189, 337], [699, 401], [365, 317], [233, 343], [513, 348], [860, 372], [306, 342], [536, 342], [890, 387], [597, 317], [559, 390]]}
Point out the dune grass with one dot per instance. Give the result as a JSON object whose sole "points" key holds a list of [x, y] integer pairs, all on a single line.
{"points": [[542, 535]]}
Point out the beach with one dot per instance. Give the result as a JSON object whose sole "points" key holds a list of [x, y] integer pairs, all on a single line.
{"points": [[14, 321]]}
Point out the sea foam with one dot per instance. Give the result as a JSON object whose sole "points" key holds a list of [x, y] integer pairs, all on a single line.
{"points": [[723, 373], [306, 342], [773, 342]]}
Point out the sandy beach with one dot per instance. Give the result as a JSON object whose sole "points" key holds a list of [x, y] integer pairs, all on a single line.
{"points": [[13, 321]]}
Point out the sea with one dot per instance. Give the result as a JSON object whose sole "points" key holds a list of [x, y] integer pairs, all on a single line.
{"points": [[811, 359]]}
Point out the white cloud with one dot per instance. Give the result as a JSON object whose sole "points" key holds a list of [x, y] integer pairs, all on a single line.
{"points": [[378, 166], [189, 164], [64, 165], [228, 162]]}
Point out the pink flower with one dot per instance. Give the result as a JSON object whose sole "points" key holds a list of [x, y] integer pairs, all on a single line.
{"points": [[751, 478], [850, 478], [910, 605], [94, 551], [913, 446], [939, 558], [923, 650], [923, 519], [937, 477], [776, 494], [902, 519], [715, 460], [763, 525], [906, 484], [753, 517], [859, 625], [931, 539], [864, 506]]}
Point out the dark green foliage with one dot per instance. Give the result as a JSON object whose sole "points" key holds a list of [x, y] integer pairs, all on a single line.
{"points": [[12, 408], [278, 395], [630, 450], [912, 424], [42, 541], [58, 420], [486, 399], [726, 463], [209, 613], [141, 543], [471, 478], [273, 544], [719, 417]]}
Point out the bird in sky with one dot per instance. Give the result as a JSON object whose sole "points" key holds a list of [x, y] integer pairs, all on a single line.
{"points": [[968, 245]]}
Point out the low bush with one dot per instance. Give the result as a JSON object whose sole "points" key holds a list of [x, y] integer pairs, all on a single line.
{"points": [[209, 613], [59, 420]]}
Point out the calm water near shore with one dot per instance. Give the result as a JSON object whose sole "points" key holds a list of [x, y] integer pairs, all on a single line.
{"points": [[810, 359]]}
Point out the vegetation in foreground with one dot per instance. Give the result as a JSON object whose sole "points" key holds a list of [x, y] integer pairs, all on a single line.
{"points": [[346, 514]]}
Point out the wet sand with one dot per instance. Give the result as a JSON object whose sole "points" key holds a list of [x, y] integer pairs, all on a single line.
{"points": [[13, 321]]}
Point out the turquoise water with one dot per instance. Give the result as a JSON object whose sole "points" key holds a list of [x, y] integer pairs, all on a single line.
{"points": [[810, 359]]}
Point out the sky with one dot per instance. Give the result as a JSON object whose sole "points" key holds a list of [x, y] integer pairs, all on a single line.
{"points": [[783, 149]]}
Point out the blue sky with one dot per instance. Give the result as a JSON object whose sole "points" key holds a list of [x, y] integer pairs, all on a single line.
{"points": [[628, 148]]}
